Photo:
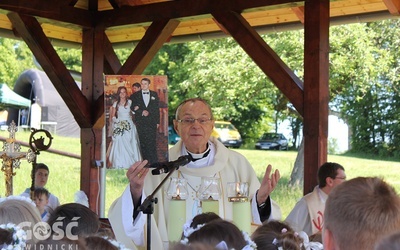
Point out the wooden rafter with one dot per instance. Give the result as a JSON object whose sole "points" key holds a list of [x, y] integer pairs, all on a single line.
{"points": [[393, 6], [181, 10], [29, 29], [269, 62], [111, 61], [154, 39], [53, 10], [299, 11]]}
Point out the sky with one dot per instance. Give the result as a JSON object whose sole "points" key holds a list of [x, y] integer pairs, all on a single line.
{"points": [[336, 129]]}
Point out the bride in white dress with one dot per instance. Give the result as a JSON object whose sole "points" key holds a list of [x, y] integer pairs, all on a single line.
{"points": [[124, 149]]}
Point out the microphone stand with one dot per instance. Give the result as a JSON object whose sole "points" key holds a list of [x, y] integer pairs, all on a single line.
{"points": [[147, 207]]}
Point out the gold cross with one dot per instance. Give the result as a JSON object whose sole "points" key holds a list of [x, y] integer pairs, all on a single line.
{"points": [[11, 155]]}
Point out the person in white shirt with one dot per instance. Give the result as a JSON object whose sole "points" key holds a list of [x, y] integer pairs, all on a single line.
{"points": [[194, 123], [308, 213], [41, 176]]}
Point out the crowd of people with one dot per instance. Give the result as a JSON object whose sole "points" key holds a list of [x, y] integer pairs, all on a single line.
{"points": [[360, 213]]}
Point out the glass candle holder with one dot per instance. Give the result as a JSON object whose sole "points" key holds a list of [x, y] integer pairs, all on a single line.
{"points": [[238, 194], [209, 194], [177, 193]]}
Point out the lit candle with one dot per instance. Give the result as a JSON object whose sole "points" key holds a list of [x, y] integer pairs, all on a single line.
{"points": [[209, 194], [176, 218], [210, 205], [177, 194], [241, 209], [242, 214]]}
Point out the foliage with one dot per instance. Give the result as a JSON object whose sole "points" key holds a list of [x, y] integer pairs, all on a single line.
{"points": [[64, 178], [72, 58], [364, 80], [333, 146], [169, 61], [364, 84], [15, 58]]}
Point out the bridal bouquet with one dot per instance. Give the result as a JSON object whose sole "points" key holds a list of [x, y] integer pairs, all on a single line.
{"points": [[120, 127]]}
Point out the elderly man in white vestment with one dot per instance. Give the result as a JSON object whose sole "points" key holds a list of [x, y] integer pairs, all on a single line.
{"points": [[194, 123]]}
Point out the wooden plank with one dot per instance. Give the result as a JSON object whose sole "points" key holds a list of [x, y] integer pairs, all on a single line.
{"points": [[183, 9], [269, 62], [61, 33], [354, 9], [33, 35], [53, 10], [4, 22], [134, 31], [123, 35], [155, 37], [316, 89]]}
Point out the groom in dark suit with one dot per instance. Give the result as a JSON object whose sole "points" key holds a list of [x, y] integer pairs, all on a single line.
{"points": [[145, 104]]}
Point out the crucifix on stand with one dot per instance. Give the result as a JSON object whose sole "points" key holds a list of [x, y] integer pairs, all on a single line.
{"points": [[37, 145], [11, 156]]}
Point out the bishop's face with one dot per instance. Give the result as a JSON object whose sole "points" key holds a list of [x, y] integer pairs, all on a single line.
{"points": [[194, 135]]}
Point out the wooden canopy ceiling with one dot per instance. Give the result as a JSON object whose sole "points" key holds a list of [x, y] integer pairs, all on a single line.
{"points": [[97, 26], [126, 21]]}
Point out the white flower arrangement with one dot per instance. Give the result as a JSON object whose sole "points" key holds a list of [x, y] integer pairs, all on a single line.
{"points": [[120, 127], [117, 244], [188, 230], [250, 244], [21, 198], [19, 237]]}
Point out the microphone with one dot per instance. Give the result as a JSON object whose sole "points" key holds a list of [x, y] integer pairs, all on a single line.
{"points": [[165, 167]]}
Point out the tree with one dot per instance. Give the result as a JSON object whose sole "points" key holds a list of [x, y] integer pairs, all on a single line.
{"points": [[15, 58], [362, 83]]}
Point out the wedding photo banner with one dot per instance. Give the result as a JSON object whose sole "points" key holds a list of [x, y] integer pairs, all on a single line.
{"points": [[136, 113]]}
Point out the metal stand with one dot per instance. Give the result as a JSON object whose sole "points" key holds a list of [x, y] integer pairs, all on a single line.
{"points": [[147, 207]]}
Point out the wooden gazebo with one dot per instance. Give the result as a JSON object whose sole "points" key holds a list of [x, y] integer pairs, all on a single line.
{"points": [[98, 26]]}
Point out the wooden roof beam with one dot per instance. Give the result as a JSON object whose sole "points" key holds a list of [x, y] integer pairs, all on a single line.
{"points": [[53, 10], [155, 37], [299, 11], [92, 73], [263, 55], [316, 89], [393, 6], [32, 33], [181, 9], [111, 61]]}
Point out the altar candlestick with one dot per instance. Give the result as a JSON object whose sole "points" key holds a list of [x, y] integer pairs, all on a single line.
{"points": [[176, 218], [210, 205], [238, 193]]}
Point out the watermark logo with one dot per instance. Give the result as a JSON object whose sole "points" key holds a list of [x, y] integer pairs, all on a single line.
{"points": [[43, 231]]}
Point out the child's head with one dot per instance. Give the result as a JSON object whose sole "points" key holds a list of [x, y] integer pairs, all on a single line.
{"points": [[41, 197]]}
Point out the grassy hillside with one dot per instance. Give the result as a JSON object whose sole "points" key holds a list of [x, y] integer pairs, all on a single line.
{"points": [[65, 172]]}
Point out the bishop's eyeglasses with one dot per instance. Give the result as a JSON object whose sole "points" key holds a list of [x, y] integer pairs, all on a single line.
{"points": [[189, 121]]}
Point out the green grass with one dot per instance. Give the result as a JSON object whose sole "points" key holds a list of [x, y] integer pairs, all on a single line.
{"points": [[64, 178]]}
